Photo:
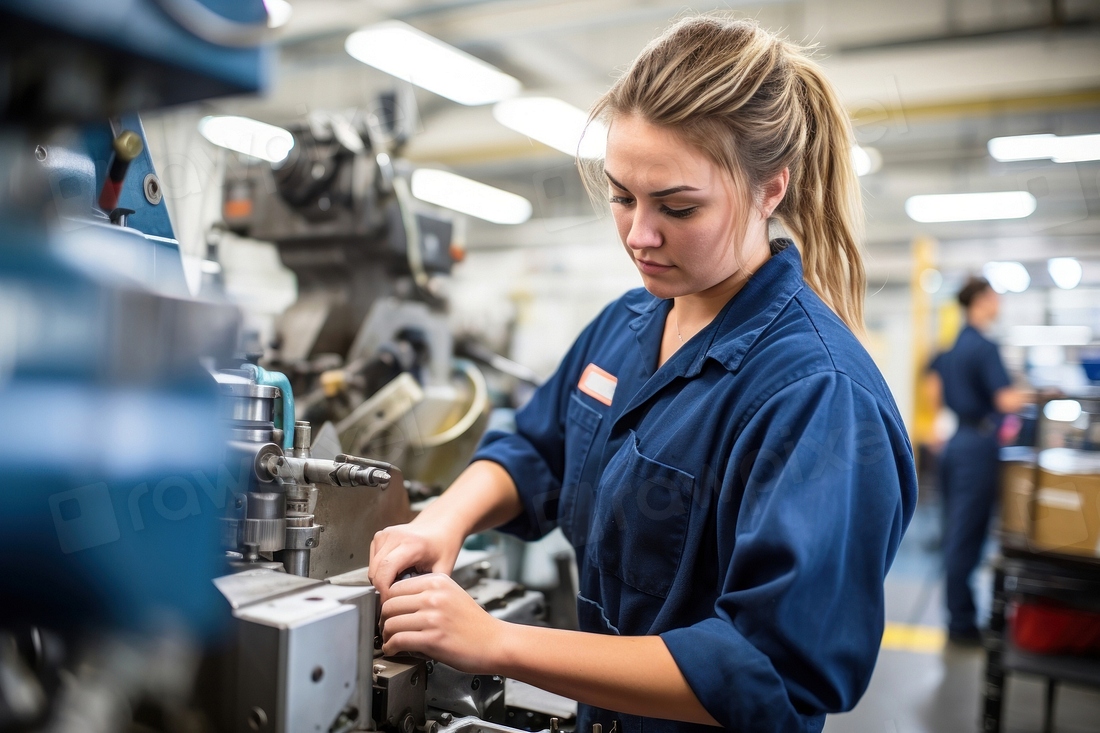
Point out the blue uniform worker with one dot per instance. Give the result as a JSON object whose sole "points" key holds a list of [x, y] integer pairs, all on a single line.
{"points": [[744, 501], [971, 374]]}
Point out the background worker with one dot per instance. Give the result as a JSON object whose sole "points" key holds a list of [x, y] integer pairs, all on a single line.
{"points": [[971, 379]]}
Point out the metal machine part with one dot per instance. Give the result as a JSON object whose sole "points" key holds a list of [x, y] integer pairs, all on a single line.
{"points": [[400, 692], [464, 694], [275, 511], [287, 627], [333, 473], [332, 210], [120, 56], [294, 663]]}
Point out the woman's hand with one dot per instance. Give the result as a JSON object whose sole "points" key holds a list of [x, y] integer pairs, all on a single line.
{"points": [[433, 615], [426, 547]]}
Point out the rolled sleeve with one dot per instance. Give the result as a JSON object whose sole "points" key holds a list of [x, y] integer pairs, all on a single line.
{"points": [[818, 492]]}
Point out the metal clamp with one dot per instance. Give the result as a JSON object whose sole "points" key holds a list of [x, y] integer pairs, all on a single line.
{"points": [[303, 538]]}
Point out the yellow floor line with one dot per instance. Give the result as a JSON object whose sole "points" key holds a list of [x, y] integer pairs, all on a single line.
{"points": [[908, 638]]}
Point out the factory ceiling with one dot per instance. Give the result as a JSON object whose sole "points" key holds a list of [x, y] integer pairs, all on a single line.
{"points": [[928, 83]]}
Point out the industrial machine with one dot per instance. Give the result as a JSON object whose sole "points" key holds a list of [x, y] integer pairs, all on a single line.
{"points": [[184, 554], [372, 265]]}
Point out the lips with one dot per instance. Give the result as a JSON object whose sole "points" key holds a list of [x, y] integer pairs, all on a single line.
{"points": [[652, 268]]}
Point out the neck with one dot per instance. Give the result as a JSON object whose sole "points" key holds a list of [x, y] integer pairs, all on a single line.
{"points": [[695, 311], [977, 322]]}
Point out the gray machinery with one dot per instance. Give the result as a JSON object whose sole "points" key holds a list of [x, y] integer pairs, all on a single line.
{"points": [[183, 554], [371, 264]]}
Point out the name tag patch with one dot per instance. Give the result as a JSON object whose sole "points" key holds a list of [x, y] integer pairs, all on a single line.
{"points": [[598, 384]]}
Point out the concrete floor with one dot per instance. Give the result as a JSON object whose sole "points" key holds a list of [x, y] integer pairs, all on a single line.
{"points": [[925, 686]]}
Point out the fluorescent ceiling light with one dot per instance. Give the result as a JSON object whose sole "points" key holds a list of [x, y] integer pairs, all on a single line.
{"points": [[970, 206], [555, 123], [278, 13], [1049, 336], [1007, 277], [469, 197], [1068, 149], [866, 160], [1065, 272], [247, 136], [414, 56], [1062, 410]]}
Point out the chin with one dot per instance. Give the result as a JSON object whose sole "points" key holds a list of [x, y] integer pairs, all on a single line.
{"points": [[663, 289]]}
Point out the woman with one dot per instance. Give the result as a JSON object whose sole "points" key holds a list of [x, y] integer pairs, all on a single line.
{"points": [[718, 447]]}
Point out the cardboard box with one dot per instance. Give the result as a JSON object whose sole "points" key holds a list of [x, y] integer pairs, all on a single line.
{"points": [[1066, 509], [1017, 489]]}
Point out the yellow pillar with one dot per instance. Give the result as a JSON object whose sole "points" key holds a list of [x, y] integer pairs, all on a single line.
{"points": [[924, 416]]}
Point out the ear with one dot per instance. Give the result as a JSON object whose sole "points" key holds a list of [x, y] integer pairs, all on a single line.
{"points": [[774, 191]]}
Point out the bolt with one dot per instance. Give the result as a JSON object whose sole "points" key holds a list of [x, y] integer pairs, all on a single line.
{"points": [[476, 684], [310, 542], [415, 679], [151, 186], [257, 719], [40, 153], [408, 724]]}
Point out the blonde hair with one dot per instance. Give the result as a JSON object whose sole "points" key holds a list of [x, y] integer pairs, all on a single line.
{"points": [[757, 104]]}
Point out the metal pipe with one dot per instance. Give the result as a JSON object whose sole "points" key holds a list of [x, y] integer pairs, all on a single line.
{"points": [[320, 471], [296, 562], [277, 379]]}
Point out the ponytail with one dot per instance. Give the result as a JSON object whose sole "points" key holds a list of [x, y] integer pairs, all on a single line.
{"points": [[757, 104], [823, 209]]}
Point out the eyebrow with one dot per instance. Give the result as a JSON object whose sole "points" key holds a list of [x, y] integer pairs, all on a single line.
{"points": [[655, 194]]}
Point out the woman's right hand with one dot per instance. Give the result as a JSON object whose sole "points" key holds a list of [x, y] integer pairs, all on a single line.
{"points": [[426, 547]]}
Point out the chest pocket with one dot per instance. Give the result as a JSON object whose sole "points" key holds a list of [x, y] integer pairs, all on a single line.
{"points": [[641, 519], [581, 423]]}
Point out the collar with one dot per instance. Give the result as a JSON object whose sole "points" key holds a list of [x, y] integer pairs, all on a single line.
{"points": [[748, 313]]}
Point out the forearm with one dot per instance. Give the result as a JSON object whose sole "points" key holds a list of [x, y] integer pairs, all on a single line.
{"points": [[482, 497], [1012, 399], [635, 675]]}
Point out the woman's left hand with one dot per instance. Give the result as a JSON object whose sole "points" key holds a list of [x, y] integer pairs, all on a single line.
{"points": [[433, 615]]}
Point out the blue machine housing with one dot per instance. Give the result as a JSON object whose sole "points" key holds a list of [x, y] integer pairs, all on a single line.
{"points": [[114, 480], [138, 40]]}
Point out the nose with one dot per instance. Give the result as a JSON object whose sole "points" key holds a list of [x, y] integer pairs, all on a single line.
{"points": [[643, 233]]}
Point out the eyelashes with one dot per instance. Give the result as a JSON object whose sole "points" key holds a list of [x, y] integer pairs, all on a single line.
{"points": [[679, 213], [674, 213]]}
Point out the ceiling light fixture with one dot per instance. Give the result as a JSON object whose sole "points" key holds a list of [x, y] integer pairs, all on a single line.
{"points": [[1048, 336], [469, 197], [555, 123], [1060, 149], [866, 160], [412, 55], [1065, 272], [248, 136], [1007, 277], [278, 13], [934, 208]]}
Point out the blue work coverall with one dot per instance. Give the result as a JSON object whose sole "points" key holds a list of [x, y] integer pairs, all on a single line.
{"points": [[971, 372], [744, 501]]}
